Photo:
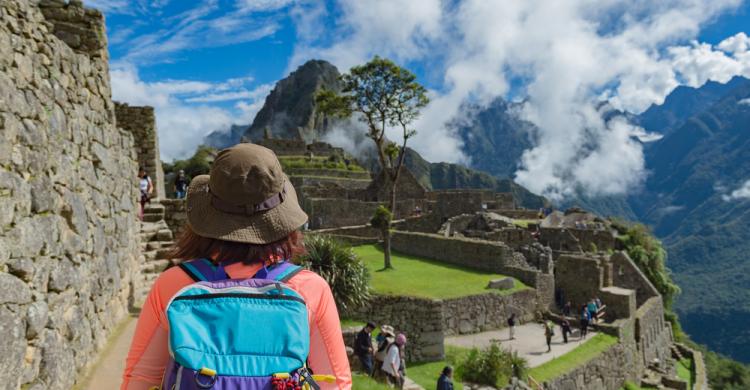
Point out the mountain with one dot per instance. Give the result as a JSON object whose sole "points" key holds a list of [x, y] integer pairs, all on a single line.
{"points": [[442, 176], [694, 169], [289, 110], [225, 139], [494, 136]]}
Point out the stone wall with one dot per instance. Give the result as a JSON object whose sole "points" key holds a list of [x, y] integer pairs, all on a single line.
{"points": [[579, 278], [141, 122], [479, 313], [420, 319], [331, 213], [285, 147], [490, 256], [652, 333], [626, 274], [607, 371], [175, 215], [68, 219]]}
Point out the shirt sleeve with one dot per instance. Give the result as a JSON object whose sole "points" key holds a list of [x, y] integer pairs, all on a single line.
{"points": [[149, 353], [327, 349]]}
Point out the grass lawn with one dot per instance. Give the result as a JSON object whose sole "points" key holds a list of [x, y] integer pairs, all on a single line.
{"points": [[524, 223], [347, 323], [364, 382], [418, 277], [685, 371], [291, 162], [573, 359]]}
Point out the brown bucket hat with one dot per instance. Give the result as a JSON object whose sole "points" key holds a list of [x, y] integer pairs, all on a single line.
{"points": [[246, 198]]}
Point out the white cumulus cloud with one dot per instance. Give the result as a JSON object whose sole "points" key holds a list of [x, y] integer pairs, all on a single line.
{"points": [[181, 121], [743, 192]]}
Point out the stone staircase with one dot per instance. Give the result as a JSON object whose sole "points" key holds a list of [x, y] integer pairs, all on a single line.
{"points": [[156, 240]]}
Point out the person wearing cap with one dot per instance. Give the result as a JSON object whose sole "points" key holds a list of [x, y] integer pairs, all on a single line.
{"points": [[363, 347], [244, 215]]}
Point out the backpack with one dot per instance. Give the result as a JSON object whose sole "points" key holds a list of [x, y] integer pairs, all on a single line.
{"points": [[238, 333]]}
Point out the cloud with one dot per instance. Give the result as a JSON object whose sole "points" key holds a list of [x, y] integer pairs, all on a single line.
{"points": [[111, 6], [262, 5], [743, 192], [745, 101], [205, 25], [181, 123], [564, 57]]}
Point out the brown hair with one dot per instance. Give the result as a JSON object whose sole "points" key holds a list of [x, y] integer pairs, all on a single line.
{"points": [[190, 246]]}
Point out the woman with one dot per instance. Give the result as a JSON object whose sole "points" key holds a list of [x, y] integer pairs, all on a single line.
{"points": [[393, 365], [146, 187], [244, 217]]}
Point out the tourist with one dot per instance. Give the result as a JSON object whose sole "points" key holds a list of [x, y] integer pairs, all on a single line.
{"points": [[549, 331], [565, 325], [392, 363], [417, 211], [593, 309], [401, 342], [445, 382], [512, 326], [180, 185], [146, 187], [566, 309], [234, 243], [585, 317], [598, 303], [385, 338], [363, 347]]}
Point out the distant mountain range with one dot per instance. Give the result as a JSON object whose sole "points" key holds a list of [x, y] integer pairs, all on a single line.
{"points": [[704, 155]]}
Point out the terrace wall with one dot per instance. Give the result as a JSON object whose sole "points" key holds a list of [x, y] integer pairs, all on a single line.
{"points": [[476, 254], [479, 313]]}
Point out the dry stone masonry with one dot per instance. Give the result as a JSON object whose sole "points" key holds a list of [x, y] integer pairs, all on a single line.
{"points": [[141, 122], [68, 225]]}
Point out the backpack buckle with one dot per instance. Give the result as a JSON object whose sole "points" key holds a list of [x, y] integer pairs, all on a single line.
{"points": [[207, 372]]}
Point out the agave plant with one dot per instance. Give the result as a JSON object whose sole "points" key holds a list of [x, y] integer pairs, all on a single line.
{"points": [[344, 271]]}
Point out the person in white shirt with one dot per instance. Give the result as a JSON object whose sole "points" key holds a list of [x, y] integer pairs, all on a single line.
{"points": [[393, 364]]}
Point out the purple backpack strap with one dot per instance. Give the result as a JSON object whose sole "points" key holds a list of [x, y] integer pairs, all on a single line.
{"points": [[204, 270], [280, 272]]}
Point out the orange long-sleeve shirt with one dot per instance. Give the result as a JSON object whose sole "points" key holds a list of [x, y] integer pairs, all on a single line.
{"points": [[149, 353]]}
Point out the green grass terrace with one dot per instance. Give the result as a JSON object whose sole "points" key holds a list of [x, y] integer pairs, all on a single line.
{"points": [[303, 162], [418, 277]]}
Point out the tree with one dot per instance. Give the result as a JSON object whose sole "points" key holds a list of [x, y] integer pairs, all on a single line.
{"points": [[383, 95]]}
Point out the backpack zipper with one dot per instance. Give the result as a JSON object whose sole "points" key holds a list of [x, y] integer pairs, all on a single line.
{"points": [[240, 295]]}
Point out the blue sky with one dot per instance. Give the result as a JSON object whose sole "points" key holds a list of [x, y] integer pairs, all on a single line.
{"points": [[205, 65]]}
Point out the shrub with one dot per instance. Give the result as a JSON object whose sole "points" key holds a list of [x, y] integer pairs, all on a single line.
{"points": [[382, 218], [491, 366], [344, 271]]}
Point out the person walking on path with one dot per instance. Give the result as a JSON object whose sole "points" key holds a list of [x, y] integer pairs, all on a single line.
{"points": [[146, 188], [180, 185], [549, 331], [565, 325], [585, 316], [445, 382], [392, 363], [363, 347], [593, 309], [512, 326], [566, 309], [242, 224]]}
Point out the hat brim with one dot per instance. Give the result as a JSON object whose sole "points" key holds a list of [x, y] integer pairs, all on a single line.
{"points": [[261, 228]]}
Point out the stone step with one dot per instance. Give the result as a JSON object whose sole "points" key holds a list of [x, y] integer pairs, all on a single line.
{"points": [[152, 217], [163, 253], [156, 245], [411, 385], [154, 207], [164, 235], [155, 266]]}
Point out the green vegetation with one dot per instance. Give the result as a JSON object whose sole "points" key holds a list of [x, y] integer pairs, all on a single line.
{"points": [[566, 363], [349, 323], [633, 386], [289, 163], [364, 382], [685, 371], [724, 373], [491, 366], [524, 223], [427, 374], [344, 271], [425, 278], [198, 164], [649, 255]]}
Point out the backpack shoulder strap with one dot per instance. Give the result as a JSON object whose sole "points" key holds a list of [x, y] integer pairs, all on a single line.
{"points": [[280, 272], [203, 270]]}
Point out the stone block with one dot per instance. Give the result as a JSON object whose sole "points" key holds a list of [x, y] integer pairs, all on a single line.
{"points": [[501, 284]]}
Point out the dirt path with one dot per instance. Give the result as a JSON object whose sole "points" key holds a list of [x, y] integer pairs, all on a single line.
{"points": [[107, 373], [529, 342]]}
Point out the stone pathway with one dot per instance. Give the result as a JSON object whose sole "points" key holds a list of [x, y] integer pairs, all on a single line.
{"points": [[107, 374], [529, 342]]}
